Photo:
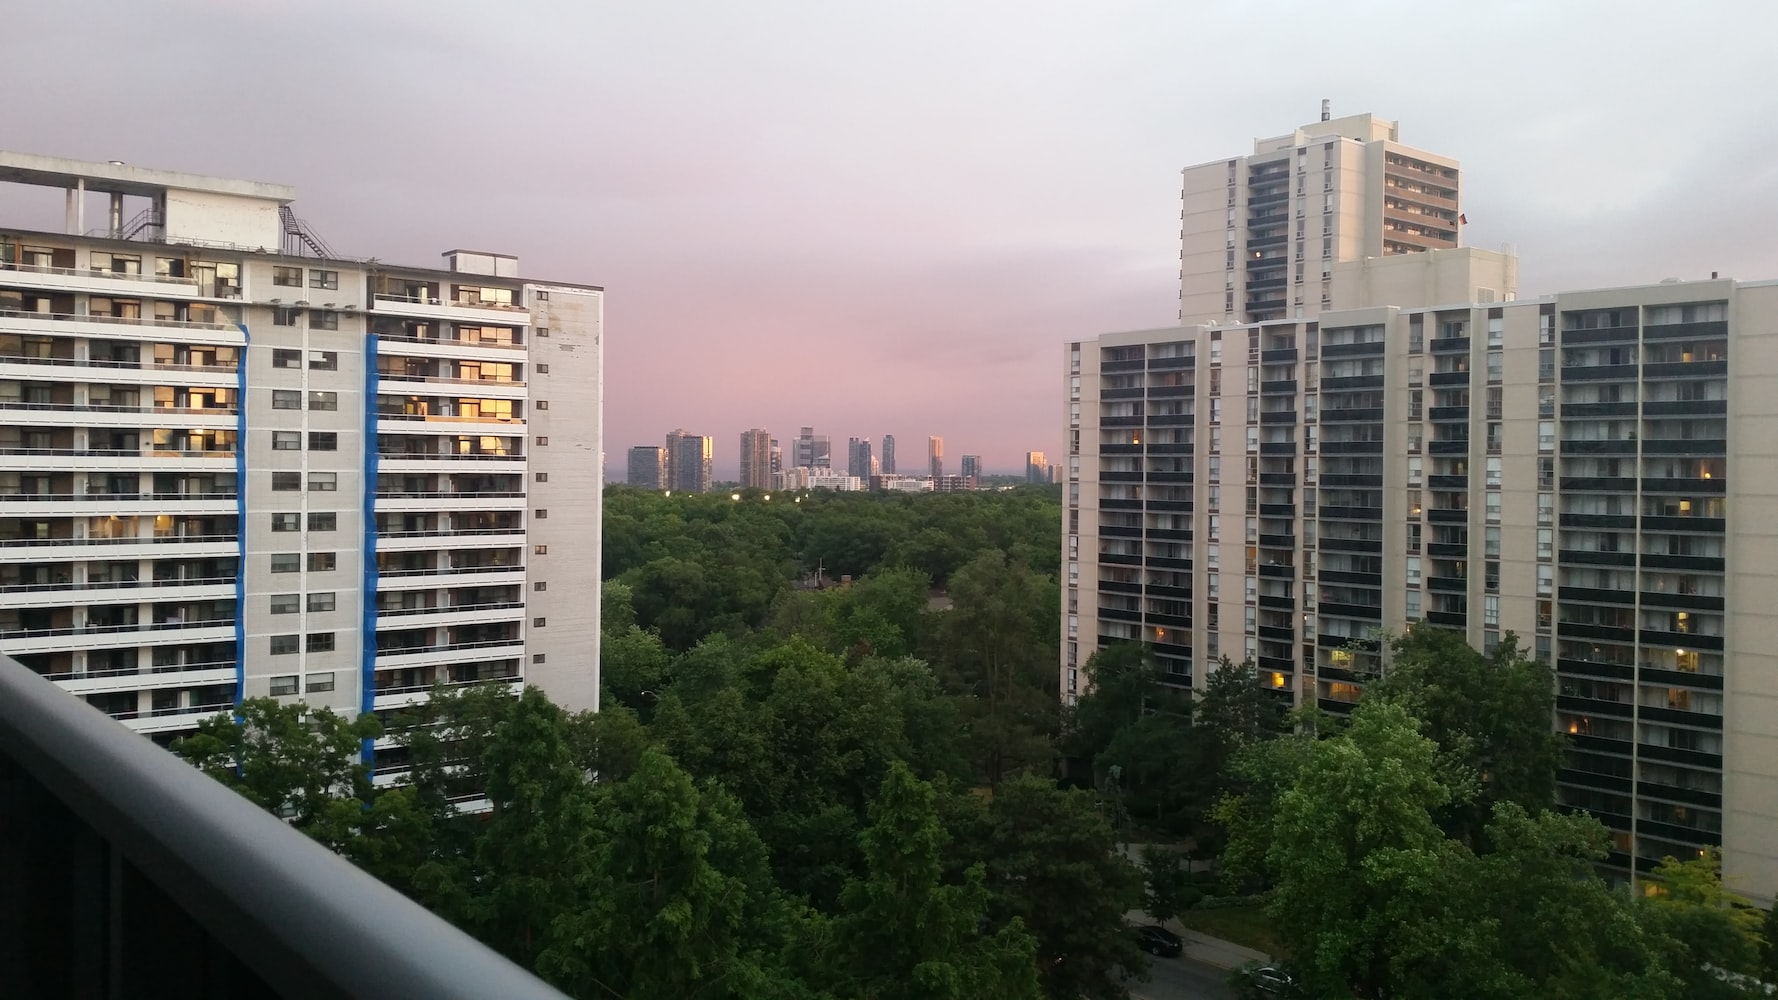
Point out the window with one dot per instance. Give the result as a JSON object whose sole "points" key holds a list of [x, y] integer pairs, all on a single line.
{"points": [[286, 562], [320, 682], [543, 477], [287, 440], [1413, 570], [543, 331], [542, 512], [540, 585], [323, 521], [1546, 508], [324, 361], [1545, 580], [324, 400], [323, 441], [1491, 541], [286, 604], [287, 277], [287, 359], [319, 642], [284, 685], [537, 658], [282, 644], [324, 319], [324, 482], [1546, 543], [543, 404], [1493, 506], [323, 279], [1546, 435], [287, 522], [1494, 472], [322, 601], [541, 296], [284, 481], [542, 369], [321, 562], [286, 399], [1413, 605], [539, 622], [283, 316], [1491, 609], [543, 439], [540, 550]]}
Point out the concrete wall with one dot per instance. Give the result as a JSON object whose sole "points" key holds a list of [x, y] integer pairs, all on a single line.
{"points": [[562, 654], [248, 223], [1420, 280]]}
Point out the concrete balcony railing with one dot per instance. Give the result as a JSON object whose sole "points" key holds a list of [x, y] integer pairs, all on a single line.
{"points": [[126, 872]]}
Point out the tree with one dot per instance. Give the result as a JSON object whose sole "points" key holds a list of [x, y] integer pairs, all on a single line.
{"points": [[1490, 716], [1121, 685], [633, 668], [997, 644], [904, 934], [1052, 864], [661, 918], [1166, 891], [1700, 927]]}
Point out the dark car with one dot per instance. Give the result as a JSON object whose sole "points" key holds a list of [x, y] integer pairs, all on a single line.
{"points": [[1159, 941]]}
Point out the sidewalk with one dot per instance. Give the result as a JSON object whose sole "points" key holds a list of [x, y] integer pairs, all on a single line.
{"points": [[1204, 948]]}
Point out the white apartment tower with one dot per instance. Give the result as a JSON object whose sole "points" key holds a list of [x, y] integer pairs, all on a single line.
{"points": [[1260, 234], [239, 464], [1585, 470]]}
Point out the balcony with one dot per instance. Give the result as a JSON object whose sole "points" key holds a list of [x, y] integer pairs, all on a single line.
{"points": [[1449, 345], [204, 887], [1447, 379], [424, 307]]}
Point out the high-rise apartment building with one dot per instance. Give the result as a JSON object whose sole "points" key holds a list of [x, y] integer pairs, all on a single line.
{"points": [[690, 461], [1037, 467], [756, 459], [935, 457], [1260, 234], [1571, 469], [858, 458], [777, 457], [971, 468], [813, 451], [888, 460], [240, 464], [648, 467]]}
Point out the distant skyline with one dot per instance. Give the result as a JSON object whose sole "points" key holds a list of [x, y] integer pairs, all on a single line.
{"points": [[890, 219]]}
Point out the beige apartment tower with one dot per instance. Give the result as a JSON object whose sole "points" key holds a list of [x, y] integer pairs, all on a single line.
{"points": [[1584, 470], [240, 464], [1260, 234], [756, 459]]}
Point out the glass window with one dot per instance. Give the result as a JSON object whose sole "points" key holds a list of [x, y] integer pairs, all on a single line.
{"points": [[287, 359], [284, 685], [282, 644], [287, 399], [286, 604], [323, 521], [324, 482], [323, 279], [324, 319], [286, 562], [319, 642], [321, 562], [320, 682], [324, 400], [287, 481], [323, 601], [325, 361], [287, 277], [287, 522], [323, 441], [287, 440]]}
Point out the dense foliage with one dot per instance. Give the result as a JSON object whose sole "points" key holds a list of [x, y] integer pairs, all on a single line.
{"points": [[812, 790]]}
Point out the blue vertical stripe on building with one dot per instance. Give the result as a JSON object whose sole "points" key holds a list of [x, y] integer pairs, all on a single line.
{"points": [[241, 515], [367, 598]]}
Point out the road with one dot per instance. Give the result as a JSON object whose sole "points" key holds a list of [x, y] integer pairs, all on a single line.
{"points": [[1183, 979]]}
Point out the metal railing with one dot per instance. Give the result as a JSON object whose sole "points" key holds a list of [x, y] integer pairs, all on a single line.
{"points": [[124, 870]]}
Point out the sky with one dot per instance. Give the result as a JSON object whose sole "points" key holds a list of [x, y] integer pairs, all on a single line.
{"points": [[888, 218]]}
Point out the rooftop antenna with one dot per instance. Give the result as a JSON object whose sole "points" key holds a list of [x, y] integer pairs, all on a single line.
{"points": [[1326, 109]]}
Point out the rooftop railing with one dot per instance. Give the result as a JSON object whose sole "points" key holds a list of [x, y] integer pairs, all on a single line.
{"points": [[126, 872]]}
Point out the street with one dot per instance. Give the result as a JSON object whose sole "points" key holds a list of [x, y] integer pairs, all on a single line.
{"points": [[1183, 979]]}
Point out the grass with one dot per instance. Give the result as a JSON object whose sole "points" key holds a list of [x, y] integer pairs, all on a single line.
{"points": [[1245, 925]]}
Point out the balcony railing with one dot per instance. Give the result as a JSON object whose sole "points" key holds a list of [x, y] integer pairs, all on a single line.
{"points": [[123, 870]]}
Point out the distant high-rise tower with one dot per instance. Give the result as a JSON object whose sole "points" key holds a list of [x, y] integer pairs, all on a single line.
{"points": [[756, 459], [972, 468], [777, 457], [689, 460], [1037, 467], [1262, 233], [935, 456], [858, 458], [888, 462], [648, 467], [813, 451]]}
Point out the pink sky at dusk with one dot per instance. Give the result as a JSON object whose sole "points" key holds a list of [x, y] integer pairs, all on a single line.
{"points": [[890, 218]]}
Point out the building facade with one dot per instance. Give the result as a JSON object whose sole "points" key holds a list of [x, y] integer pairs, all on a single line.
{"points": [[1037, 467], [757, 456], [935, 457], [813, 451], [859, 461], [971, 468], [1260, 234], [239, 464], [691, 461], [1569, 469], [648, 467], [887, 465]]}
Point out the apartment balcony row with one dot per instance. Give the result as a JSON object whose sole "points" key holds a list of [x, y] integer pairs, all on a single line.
{"points": [[60, 319]]}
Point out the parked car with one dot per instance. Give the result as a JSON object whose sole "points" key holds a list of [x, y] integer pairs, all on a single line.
{"points": [[1159, 941], [1263, 981]]}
